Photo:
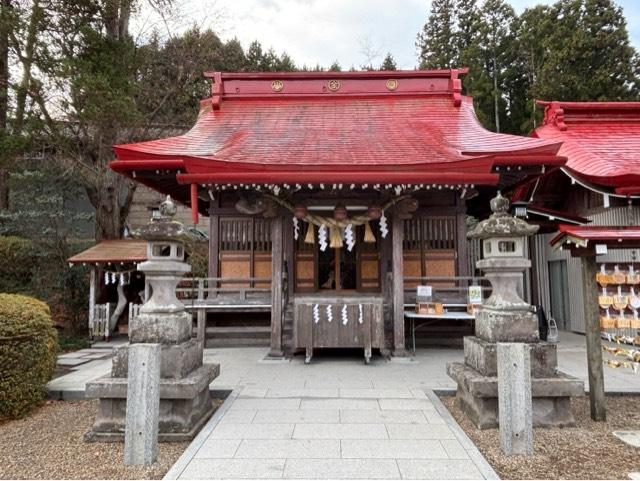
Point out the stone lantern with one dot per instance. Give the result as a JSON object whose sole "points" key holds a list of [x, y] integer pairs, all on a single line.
{"points": [[185, 401], [506, 318]]}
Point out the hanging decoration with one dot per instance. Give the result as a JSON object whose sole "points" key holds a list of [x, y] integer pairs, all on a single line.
{"points": [[384, 227], [369, 237], [322, 237], [310, 237], [329, 314], [118, 277], [360, 314], [296, 228], [345, 317], [336, 238], [349, 237], [316, 313]]}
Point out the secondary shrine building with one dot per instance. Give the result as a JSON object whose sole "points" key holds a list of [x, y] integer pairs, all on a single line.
{"points": [[332, 195]]}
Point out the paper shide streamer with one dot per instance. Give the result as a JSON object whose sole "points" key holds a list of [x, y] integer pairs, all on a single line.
{"points": [[345, 317]]}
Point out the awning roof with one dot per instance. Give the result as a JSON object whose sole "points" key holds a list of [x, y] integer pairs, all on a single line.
{"points": [[113, 252], [556, 215], [600, 139], [587, 236], [407, 127]]}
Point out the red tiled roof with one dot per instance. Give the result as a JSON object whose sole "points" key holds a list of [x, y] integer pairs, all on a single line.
{"points": [[600, 139], [598, 234], [374, 126], [112, 252]]}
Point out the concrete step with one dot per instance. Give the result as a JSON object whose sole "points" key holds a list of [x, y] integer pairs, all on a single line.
{"points": [[236, 342], [238, 332]]}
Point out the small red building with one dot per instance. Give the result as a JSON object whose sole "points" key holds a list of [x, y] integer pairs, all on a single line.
{"points": [[599, 186], [331, 196]]}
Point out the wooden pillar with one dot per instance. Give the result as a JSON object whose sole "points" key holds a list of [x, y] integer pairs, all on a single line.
{"points": [[276, 287], [92, 298], [594, 342], [397, 235], [201, 330], [462, 247], [289, 252], [214, 240]]}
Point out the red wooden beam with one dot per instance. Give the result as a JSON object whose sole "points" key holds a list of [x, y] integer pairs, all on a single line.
{"points": [[344, 177], [194, 203], [146, 164]]}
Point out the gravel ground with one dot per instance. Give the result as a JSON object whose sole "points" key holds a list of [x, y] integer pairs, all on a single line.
{"points": [[588, 451], [49, 444]]}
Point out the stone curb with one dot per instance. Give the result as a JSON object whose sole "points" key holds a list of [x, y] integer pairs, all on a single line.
{"points": [[474, 453], [185, 458]]}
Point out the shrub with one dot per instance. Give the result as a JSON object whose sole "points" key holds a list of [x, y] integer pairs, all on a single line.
{"points": [[28, 346]]}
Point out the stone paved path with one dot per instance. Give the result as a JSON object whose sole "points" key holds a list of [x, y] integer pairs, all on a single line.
{"points": [[334, 419]]}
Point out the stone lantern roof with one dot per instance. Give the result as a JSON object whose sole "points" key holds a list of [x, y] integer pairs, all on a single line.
{"points": [[164, 227], [501, 224]]}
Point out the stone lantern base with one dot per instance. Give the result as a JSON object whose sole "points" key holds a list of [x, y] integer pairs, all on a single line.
{"points": [[477, 379], [185, 401]]}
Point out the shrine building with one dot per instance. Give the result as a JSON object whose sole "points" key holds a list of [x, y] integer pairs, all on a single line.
{"points": [[332, 195]]}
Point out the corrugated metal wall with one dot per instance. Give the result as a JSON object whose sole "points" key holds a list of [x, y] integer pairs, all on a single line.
{"points": [[619, 216]]}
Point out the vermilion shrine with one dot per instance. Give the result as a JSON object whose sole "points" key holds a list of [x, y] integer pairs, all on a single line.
{"points": [[331, 196]]}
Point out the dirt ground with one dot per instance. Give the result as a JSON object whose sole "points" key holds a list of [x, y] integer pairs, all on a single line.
{"points": [[49, 444], [588, 451]]}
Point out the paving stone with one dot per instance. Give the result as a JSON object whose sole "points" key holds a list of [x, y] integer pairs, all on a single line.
{"points": [[340, 431], [438, 469], [69, 362], [331, 384], [253, 392], [433, 417], [242, 416], [630, 437], [289, 448], [454, 449], [234, 469], [394, 449], [341, 469], [218, 448], [302, 393], [252, 431], [419, 431], [375, 393], [388, 416], [73, 355], [339, 404], [266, 403], [412, 404], [270, 416]]}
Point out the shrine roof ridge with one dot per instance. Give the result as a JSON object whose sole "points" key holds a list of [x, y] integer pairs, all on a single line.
{"points": [[283, 85]]}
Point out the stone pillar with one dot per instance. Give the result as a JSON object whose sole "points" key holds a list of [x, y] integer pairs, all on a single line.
{"points": [[514, 399], [185, 402], [506, 318], [143, 405]]}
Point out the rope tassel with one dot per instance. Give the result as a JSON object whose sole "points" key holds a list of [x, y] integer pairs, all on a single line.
{"points": [[310, 237], [368, 234], [336, 238]]}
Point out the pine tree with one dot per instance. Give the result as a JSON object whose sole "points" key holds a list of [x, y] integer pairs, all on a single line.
{"points": [[436, 45], [496, 46], [590, 57], [335, 67], [389, 63]]}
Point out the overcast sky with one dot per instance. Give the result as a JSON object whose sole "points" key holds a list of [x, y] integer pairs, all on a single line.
{"points": [[321, 31]]}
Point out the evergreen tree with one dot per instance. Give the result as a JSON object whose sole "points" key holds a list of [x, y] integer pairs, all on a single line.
{"points": [[389, 63], [335, 67], [589, 54], [285, 63], [234, 59], [255, 57], [436, 45]]}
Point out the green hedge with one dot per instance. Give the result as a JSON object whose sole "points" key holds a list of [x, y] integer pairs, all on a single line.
{"points": [[28, 347]]}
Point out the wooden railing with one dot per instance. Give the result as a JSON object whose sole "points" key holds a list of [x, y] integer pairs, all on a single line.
{"points": [[224, 290]]}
